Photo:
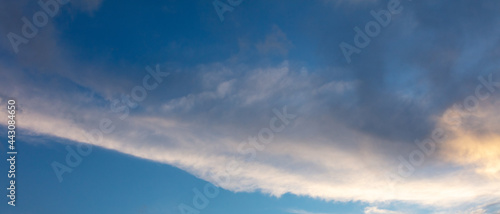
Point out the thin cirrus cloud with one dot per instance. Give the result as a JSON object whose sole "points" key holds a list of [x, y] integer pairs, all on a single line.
{"points": [[376, 210], [296, 211]]}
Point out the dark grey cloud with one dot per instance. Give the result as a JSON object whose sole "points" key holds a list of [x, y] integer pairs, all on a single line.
{"points": [[432, 52]]}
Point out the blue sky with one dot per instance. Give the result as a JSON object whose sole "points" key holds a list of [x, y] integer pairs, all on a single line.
{"points": [[300, 107]]}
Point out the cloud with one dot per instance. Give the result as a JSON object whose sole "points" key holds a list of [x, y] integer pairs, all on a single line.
{"points": [[474, 137], [275, 43], [203, 135], [376, 210], [490, 208], [352, 122], [295, 211]]}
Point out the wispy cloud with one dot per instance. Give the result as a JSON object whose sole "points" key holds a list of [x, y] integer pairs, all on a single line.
{"points": [[296, 211], [376, 210], [354, 121]]}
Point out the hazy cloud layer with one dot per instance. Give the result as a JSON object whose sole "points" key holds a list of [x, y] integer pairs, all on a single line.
{"points": [[352, 122]]}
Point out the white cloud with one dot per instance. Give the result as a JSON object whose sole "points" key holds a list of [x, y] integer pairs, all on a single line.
{"points": [[296, 211], [316, 155], [376, 210]]}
